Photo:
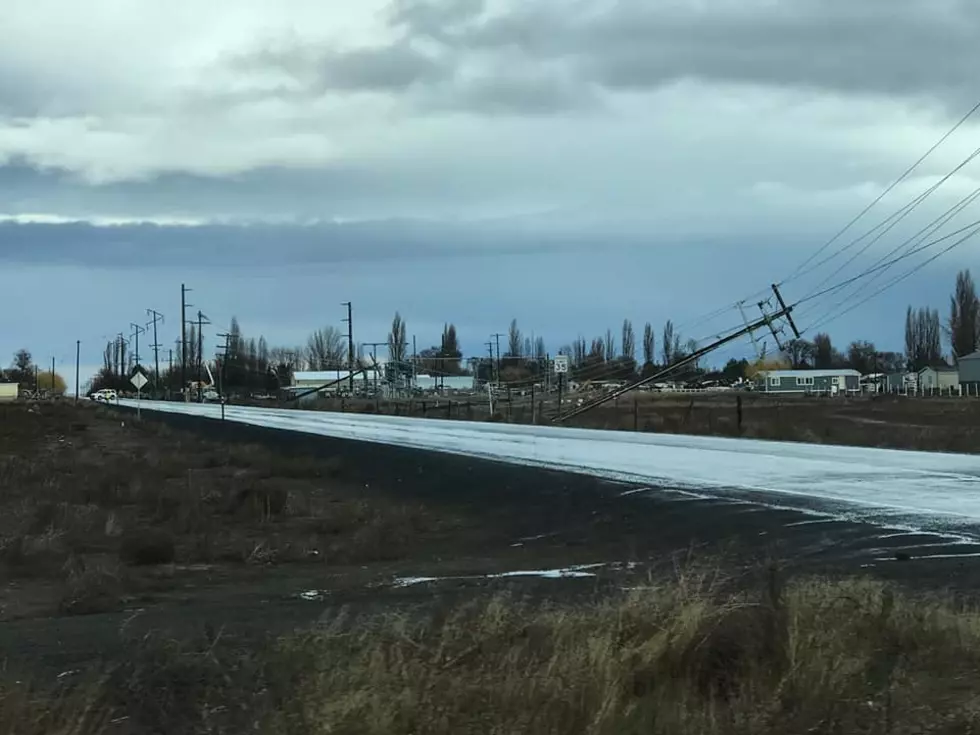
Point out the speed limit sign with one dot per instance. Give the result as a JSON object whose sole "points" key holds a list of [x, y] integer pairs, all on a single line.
{"points": [[561, 364]]}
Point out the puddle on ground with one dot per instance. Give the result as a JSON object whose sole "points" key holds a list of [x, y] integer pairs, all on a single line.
{"points": [[578, 571]]}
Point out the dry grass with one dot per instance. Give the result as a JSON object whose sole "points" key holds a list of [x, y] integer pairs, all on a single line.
{"points": [[81, 492], [674, 658]]}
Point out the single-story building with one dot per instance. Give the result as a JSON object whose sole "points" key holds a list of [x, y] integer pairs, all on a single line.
{"points": [[9, 392], [941, 377], [831, 382], [968, 370], [902, 382]]}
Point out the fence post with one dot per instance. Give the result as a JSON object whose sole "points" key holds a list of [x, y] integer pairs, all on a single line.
{"points": [[738, 413], [534, 407], [636, 413], [423, 408]]}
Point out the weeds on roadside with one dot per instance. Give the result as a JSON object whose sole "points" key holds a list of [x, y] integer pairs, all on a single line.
{"points": [[676, 657]]}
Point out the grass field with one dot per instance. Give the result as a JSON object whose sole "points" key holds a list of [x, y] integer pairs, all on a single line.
{"points": [[149, 581]]}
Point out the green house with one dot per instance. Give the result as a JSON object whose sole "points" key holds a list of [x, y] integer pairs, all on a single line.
{"points": [[838, 381]]}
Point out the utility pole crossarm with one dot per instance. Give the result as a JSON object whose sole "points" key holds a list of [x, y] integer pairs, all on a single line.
{"points": [[786, 310]]}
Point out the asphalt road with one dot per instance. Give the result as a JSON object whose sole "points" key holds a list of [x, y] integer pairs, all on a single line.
{"points": [[899, 491]]}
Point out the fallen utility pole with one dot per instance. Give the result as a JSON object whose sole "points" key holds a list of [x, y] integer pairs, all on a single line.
{"points": [[763, 323]]}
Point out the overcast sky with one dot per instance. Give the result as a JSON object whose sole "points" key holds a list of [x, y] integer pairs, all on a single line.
{"points": [[567, 163]]}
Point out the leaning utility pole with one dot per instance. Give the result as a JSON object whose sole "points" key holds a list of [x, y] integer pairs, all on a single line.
{"points": [[766, 321], [350, 345], [157, 317]]}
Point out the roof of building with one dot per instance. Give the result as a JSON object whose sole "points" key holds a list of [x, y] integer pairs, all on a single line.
{"points": [[971, 356], [811, 373], [939, 369]]}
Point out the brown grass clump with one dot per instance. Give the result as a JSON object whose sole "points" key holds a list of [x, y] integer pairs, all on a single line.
{"points": [[673, 658]]}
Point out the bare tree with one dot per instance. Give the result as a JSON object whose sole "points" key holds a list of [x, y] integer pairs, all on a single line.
{"points": [[862, 356], [609, 349], [598, 351], [649, 344], [799, 352], [670, 343], [515, 341], [964, 316], [540, 352], [823, 351], [579, 351], [923, 338], [325, 349], [629, 340], [398, 341]]}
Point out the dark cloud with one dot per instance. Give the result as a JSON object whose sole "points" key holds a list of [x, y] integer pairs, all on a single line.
{"points": [[385, 68], [267, 245], [917, 47]]}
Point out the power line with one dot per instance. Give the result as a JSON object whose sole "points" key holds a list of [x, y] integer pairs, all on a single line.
{"points": [[880, 268], [902, 277], [891, 222], [883, 194]]}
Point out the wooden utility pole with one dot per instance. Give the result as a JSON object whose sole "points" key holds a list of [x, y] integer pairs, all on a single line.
{"points": [[78, 361], [497, 337], [201, 321], [183, 337], [137, 331], [350, 345], [221, 373], [157, 317]]}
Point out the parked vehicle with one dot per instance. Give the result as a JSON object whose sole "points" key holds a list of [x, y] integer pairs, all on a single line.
{"points": [[106, 395]]}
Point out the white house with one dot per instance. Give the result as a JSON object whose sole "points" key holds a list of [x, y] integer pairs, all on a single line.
{"points": [[9, 392], [939, 378]]}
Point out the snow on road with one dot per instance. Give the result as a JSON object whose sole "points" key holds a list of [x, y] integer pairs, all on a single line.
{"points": [[913, 490]]}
